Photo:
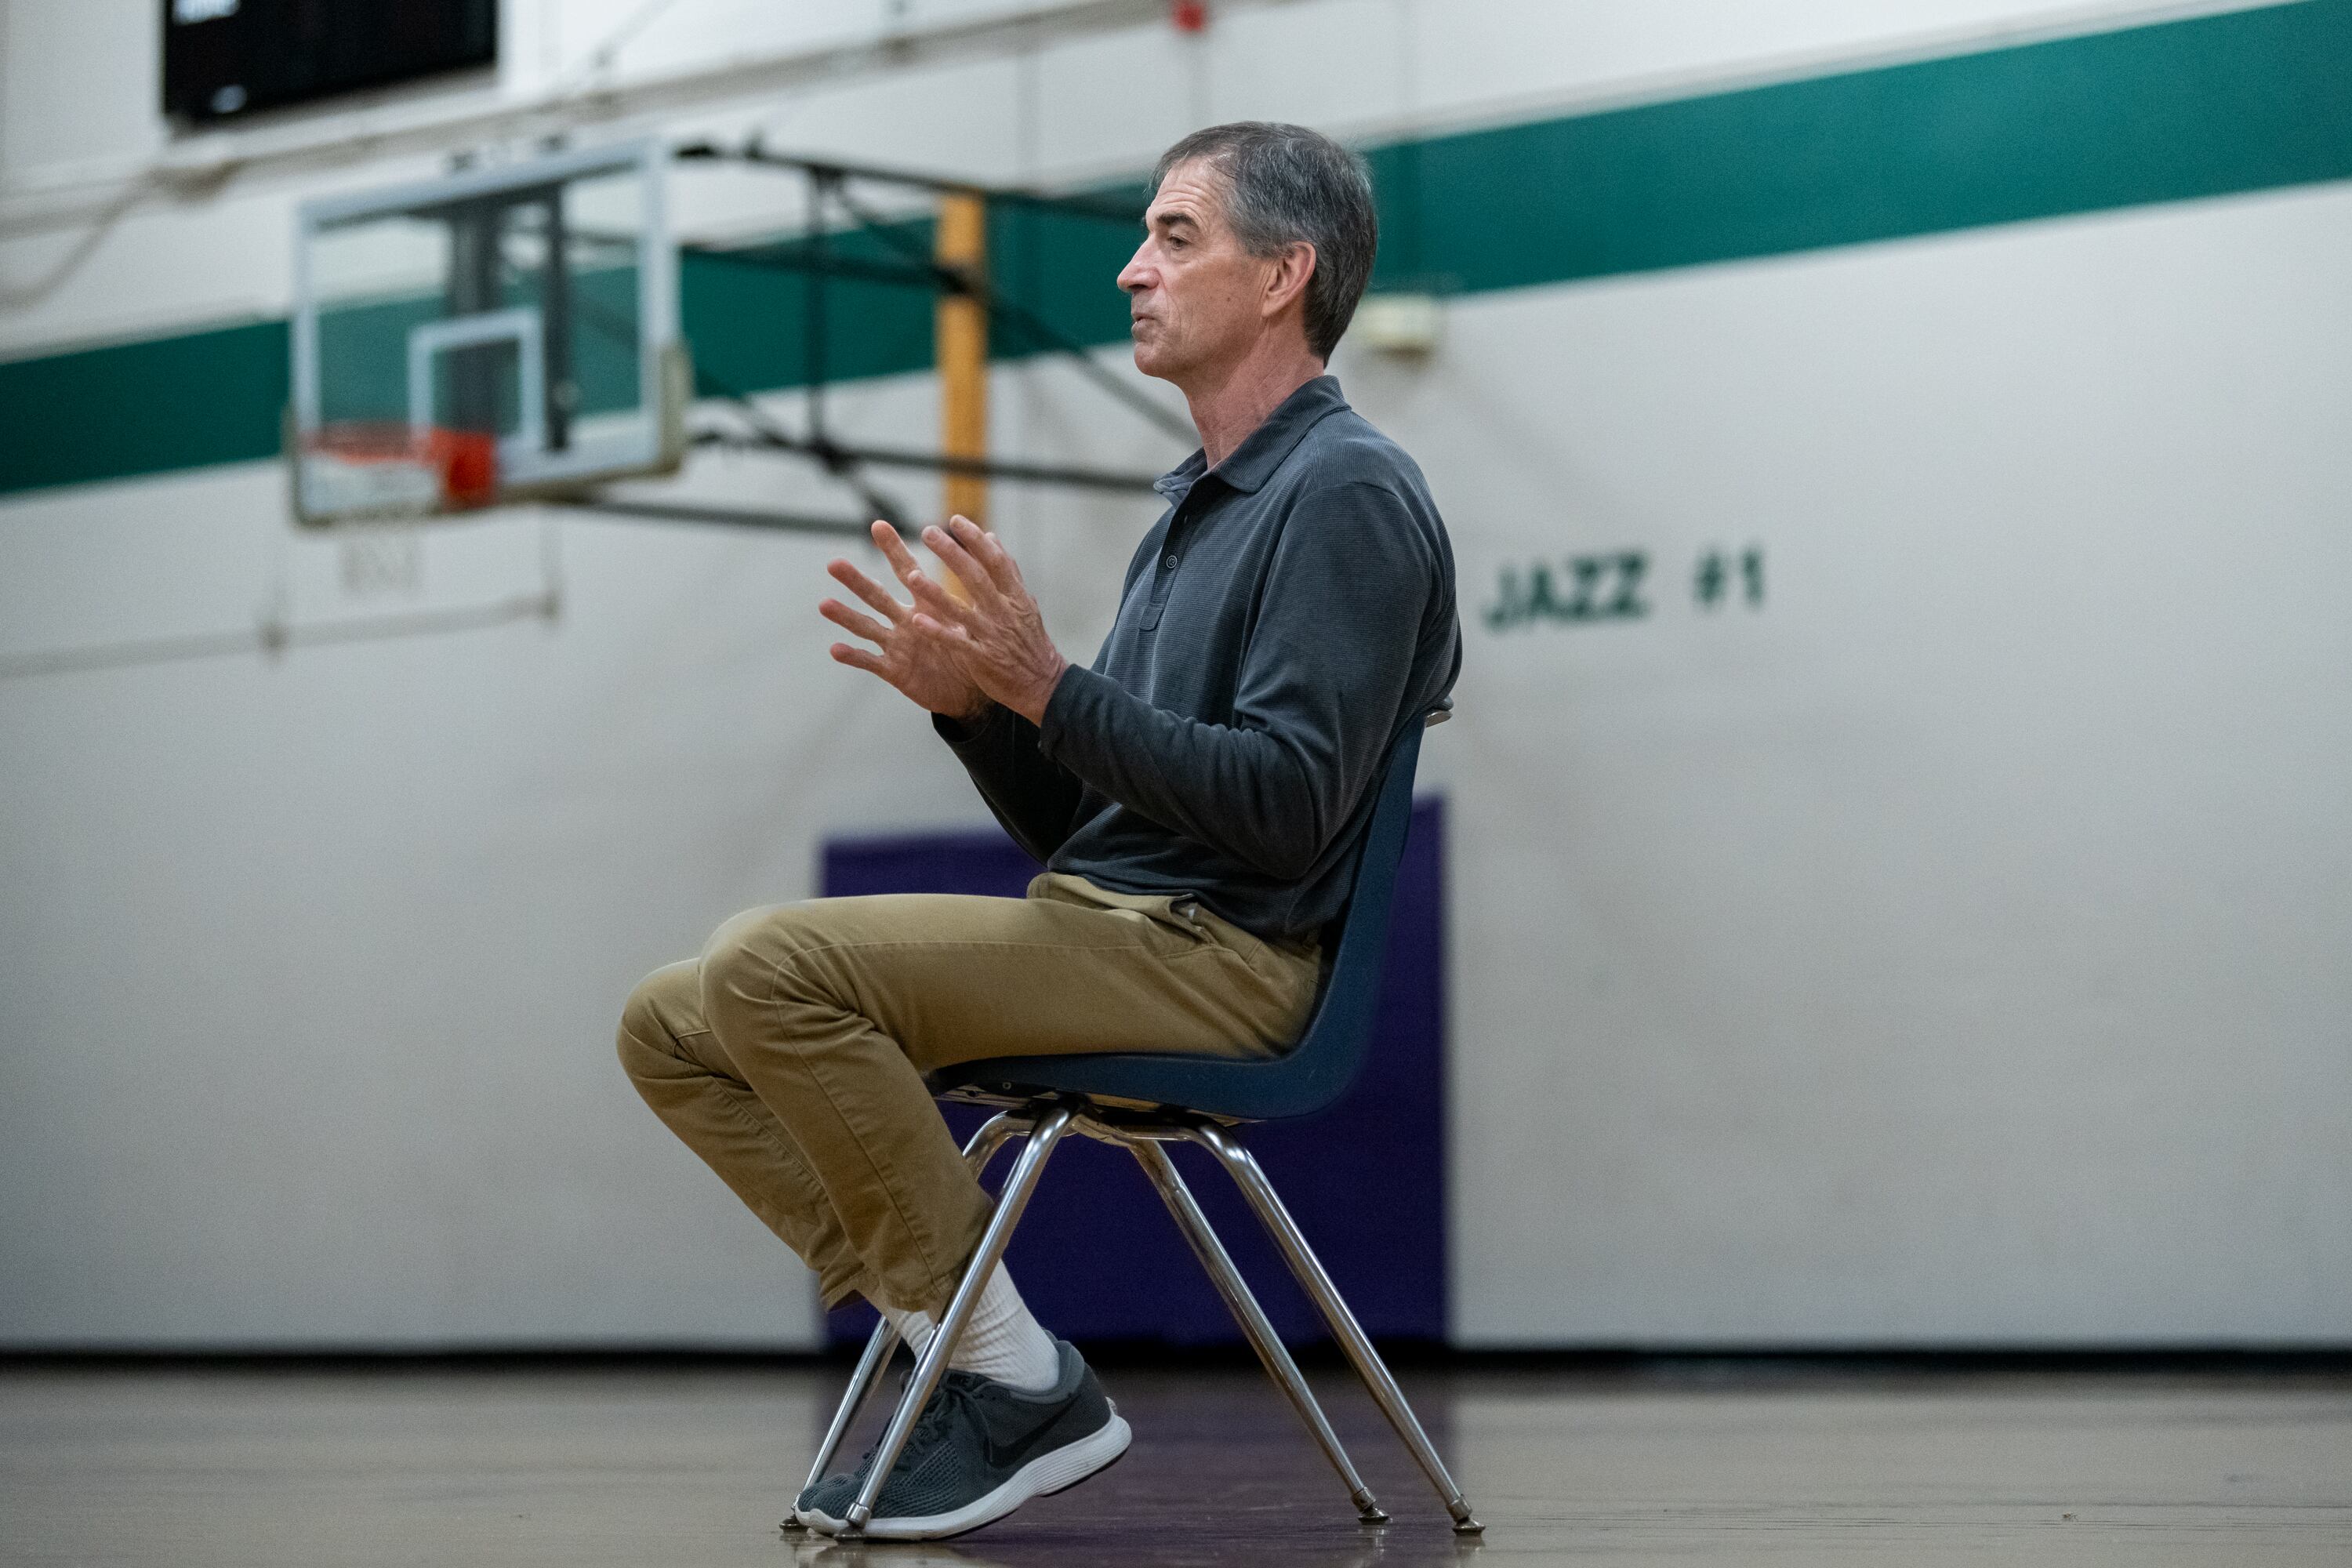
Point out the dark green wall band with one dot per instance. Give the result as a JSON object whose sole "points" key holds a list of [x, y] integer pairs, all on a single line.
{"points": [[2241, 102], [2244, 101], [216, 396]]}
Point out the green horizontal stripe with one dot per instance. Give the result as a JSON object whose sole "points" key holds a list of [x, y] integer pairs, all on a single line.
{"points": [[2241, 102], [213, 397]]}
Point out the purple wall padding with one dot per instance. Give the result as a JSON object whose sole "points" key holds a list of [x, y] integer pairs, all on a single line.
{"points": [[1097, 1257]]}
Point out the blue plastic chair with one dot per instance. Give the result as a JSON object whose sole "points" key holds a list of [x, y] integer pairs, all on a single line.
{"points": [[1139, 1102]]}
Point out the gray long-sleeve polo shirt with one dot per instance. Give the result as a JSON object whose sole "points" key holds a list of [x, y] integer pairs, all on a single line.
{"points": [[1280, 627]]}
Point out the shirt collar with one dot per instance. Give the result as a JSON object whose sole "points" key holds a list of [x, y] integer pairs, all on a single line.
{"points": [[1251, 463]]}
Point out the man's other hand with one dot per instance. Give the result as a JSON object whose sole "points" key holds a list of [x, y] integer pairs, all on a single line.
{"points": [[920, 666], [992, 632]]}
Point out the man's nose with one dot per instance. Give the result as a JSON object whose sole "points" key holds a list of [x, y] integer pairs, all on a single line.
{"points": [[1134, 277]]}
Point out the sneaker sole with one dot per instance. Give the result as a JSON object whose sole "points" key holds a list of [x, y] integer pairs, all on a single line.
{"points": [[1066, 1467]]}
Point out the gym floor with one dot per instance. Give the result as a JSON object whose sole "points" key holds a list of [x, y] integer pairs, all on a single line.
{"points": [[680, 1468]]}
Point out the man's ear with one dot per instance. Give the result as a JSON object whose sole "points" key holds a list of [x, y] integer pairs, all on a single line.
{"points": [[1287, 279]]}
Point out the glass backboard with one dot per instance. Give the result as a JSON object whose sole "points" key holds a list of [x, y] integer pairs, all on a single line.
{"points": [[499, 334]]}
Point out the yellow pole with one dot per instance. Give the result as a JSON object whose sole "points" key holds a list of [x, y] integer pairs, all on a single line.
{"points": [[962, 329]]}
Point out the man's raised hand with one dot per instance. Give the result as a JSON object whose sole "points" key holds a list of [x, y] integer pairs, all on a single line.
{"points": [[920, 666], [994, 633]]}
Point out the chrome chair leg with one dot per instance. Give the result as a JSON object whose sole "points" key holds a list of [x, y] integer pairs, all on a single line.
{"points": [[1243, 1166], [983, 1148], [1047, 1131], [1251, 1317], [870, 1363]]}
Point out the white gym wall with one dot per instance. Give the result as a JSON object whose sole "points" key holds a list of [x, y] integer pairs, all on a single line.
{"points": [[1948, 951]]}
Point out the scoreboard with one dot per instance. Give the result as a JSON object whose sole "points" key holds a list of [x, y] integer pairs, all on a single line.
{"points": [[222, 59]]}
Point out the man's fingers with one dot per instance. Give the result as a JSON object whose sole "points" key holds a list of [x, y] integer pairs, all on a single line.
{"points": [[857, 659], [866, 588], [969, 571], [948, 633], [903, 562], [989, 552], [851, 621], [894, 549], [929, 594]]}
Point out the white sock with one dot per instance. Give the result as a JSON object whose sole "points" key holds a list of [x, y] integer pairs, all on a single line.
{"points": [[915, 1328], [1001, 1341]]}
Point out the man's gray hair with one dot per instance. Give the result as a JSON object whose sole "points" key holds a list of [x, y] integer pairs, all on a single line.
{"points": [[1284, 183]]}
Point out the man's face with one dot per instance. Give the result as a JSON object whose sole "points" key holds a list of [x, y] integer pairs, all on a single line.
{"points": [[1194, 295]]}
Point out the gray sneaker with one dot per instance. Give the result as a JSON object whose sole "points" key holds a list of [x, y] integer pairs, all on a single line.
{"points": [[979, 1450]]}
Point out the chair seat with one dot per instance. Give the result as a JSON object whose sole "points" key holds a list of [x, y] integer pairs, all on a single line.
{"points": [[1227, 1089]]}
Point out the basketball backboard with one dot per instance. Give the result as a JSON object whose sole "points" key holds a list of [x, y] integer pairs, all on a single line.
{"points": [[499, 334]]}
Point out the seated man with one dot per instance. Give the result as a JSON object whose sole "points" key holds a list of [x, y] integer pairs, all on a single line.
{"points": [[1197, 796]]}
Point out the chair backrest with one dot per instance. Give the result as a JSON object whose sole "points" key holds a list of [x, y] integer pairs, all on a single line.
{"points": [[1313, 1073], [1331, 1052]]}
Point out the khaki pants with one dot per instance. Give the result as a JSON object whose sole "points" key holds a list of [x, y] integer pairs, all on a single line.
{"points": [[790, 1055]]}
